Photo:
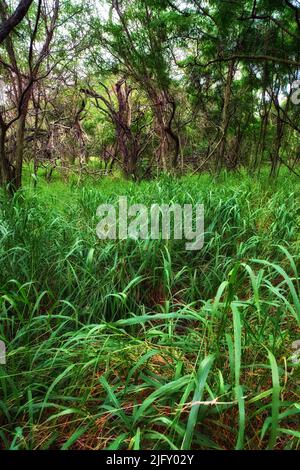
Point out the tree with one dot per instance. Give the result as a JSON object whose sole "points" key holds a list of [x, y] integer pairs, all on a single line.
{"points": [[23, 75], [136, 37], [128, 118]]}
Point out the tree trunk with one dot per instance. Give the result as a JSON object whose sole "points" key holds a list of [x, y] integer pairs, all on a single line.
{"points": [[275, 154], [6, 173], [20, 149], [225, 115], [127, 144], [164, 110], [261, 145], [8, 25]]}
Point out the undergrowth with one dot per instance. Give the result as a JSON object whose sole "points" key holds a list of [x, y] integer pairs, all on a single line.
{"points": [[142, 344]]}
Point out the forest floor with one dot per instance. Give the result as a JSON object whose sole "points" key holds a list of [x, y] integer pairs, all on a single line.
{"points": [[142, 344]]}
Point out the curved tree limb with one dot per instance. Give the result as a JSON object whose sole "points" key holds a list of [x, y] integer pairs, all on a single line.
{"points": [[7, 26]]}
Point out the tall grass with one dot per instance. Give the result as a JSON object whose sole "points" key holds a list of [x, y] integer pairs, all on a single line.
{"points": [[144, 345]]}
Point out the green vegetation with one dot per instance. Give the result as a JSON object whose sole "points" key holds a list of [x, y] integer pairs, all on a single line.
{"points": [[141, 344]]}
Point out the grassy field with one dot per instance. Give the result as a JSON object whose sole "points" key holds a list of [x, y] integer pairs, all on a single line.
{"points": [[144, 345]]}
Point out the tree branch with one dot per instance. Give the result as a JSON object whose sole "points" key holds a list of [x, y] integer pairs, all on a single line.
{"points": [[7, 26]]}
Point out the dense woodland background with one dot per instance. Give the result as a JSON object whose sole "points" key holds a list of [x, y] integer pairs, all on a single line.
{"points": [[141, 344], [149, 86]]}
